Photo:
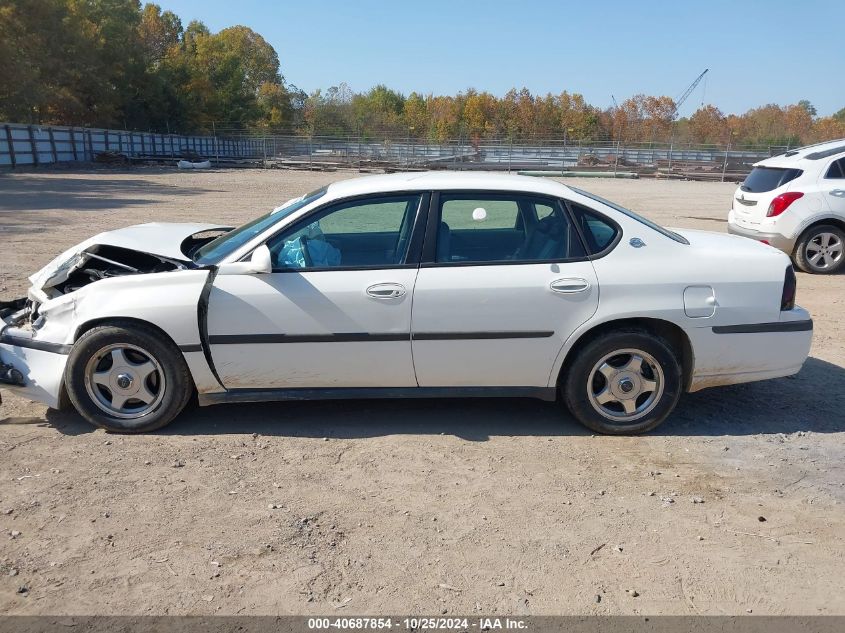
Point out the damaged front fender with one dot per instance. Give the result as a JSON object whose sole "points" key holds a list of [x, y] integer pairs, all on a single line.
{"points": [[142, 273]]}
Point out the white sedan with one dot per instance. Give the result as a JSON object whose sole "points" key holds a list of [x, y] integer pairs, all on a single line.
{"points": [[407, 285]]}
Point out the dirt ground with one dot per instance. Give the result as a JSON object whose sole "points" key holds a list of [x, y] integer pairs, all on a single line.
{"points": [[460, 506]]}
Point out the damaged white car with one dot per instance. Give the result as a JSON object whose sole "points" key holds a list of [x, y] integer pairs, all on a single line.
{"points": [[409, 285]]}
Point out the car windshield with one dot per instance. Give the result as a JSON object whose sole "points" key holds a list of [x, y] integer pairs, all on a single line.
{"points": [[634, 216], [217, 249]]}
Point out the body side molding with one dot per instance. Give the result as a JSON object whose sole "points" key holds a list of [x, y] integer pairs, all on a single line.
{"points": [[351, 393], [752, 328]]}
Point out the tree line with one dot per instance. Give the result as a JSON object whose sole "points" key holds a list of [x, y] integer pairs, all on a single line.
{"points": [[118, 64]]}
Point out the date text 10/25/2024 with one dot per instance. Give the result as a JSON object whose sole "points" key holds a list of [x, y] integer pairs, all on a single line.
{"points": [[417, 623]]}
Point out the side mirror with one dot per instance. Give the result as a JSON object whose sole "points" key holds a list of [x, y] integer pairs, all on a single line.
{"points": [[259, 262]]}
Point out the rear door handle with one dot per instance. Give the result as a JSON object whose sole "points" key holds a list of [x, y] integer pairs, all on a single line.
{"points": [[570, 286], [386, 291]]}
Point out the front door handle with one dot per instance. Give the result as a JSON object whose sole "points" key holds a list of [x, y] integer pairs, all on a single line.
{"points": [[386, 291], [570, 286]]}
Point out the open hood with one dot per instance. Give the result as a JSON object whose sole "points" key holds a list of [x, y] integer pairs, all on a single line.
{"points": [[143, 248]]}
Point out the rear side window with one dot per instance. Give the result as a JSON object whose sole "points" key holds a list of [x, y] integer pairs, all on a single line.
{"points": [[463, 214], [497, 227], [762, 179], [598, 232], [634, 216], [836, 169]]}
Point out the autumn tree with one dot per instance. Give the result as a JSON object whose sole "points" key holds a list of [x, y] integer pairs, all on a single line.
{"points": [[827, 128], [415, 115], [480, 114], [114, 63], [709, 125]]}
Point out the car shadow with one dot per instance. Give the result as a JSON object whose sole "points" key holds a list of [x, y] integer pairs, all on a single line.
{"points": [[768, 407], [83, 191]]}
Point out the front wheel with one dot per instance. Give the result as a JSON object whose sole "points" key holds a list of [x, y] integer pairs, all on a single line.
{"points": [[624, 382], [125, 378], [821, 250]]}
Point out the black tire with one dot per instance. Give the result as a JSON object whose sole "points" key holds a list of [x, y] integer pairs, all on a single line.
{"points": [[174, 389], [802, 258], [580, 381]]}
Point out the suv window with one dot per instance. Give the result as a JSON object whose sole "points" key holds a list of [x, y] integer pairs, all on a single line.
{"points": [[504, 228], [373, 232], [836, 169], [763, 179], [598, 231]]}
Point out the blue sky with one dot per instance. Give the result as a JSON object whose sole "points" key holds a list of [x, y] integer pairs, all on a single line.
{"points": [[757, 52]]}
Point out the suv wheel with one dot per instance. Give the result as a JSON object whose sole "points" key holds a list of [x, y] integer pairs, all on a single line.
{"points": [[623, 382], [821, 250]]}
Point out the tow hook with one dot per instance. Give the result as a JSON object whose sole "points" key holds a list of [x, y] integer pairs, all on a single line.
{"points": [[10, 376]]}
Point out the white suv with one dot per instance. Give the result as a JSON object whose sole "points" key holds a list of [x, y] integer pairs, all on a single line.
{"points": [[796, 203]]}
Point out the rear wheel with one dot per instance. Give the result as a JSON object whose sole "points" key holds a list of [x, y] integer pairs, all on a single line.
{"points": [[623, 382], [125, 378], [821, 250]]}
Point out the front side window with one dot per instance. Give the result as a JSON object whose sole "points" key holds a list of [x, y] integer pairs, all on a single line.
{"points": [[372, 232], [503, 228]]}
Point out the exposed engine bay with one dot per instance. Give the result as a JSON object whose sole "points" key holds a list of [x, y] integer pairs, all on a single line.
{"points": [[101, 262], [106, 256]]}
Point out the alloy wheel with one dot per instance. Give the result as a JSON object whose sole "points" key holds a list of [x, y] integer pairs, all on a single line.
{"points": [[824, 251], [625, 385], [124, 381]]}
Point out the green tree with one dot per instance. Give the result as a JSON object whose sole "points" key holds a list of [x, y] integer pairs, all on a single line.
{"points": [[33, 37], [809, 107], [159, 32]]}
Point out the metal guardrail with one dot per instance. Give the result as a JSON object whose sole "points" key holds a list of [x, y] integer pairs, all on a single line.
{"points": [[34, 145]]}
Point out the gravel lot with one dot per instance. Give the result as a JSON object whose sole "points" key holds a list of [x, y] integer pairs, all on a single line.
{"points": [[414, 506]]}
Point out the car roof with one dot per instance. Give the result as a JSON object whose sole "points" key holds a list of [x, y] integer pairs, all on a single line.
{"points": [[445, 180], [805, 157]]}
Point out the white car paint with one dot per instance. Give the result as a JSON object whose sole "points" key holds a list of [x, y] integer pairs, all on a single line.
{"points": [[497, 299], [315, 304], [823, 199], [735, 281]]}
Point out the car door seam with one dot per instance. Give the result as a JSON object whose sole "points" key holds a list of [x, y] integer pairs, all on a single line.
{"points": [[411, 320], [202, 323]]}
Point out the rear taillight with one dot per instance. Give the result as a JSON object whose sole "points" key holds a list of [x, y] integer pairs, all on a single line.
{"points": [[787, 299], [782, 202]]}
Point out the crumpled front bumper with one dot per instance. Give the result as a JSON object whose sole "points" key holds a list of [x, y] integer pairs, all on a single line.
{"points": [[31, 368]]}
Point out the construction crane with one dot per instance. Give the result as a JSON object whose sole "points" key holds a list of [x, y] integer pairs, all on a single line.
{"points": [[688, 92]]}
